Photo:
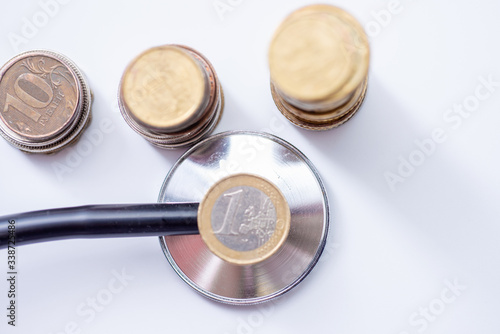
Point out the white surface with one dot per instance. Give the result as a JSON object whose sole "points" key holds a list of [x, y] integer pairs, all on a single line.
{"points": [[389, 252]]}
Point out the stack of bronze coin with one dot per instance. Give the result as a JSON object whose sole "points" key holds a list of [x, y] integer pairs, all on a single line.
{"points": [[319, 59], [44, 102], [171, 96]]}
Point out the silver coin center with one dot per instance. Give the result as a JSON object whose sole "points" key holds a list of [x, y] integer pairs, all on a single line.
{"points": [[243, 218]]}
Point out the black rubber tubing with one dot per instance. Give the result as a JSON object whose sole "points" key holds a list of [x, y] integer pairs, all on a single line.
{"points": [[99, 221]]}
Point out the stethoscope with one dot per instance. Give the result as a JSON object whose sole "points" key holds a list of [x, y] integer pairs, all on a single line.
{"points": [[242, 217]]}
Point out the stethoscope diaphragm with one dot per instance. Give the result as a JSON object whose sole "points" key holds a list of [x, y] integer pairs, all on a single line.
{"points": [[263, 217]]}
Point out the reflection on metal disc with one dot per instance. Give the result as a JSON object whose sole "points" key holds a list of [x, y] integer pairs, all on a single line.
{"points": [[242, 178]]}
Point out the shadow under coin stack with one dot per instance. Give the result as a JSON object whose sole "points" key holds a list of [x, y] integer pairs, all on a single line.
{"points": [[171, 96], [319, 59]]}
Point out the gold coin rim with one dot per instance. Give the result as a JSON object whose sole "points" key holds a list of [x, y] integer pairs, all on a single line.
{"points": [[244, 257], [336, 119]]}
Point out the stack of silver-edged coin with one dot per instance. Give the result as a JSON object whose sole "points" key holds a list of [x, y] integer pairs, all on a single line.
{"points": [[44, 102], [171, 96]]}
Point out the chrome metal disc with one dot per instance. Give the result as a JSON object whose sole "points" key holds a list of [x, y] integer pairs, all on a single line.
{"points": [[273, 159]]}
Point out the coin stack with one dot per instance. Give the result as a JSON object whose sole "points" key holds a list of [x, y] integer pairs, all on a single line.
{"points": [[44, 102], [171, 96], [319, 59]]}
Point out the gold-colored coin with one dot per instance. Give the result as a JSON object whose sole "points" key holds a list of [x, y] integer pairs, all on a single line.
{"points": [[165, 88], [171, 96], [319, 60], [244, 219]]}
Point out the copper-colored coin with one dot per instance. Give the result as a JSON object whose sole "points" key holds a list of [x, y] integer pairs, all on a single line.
{"points": [[44, 102], [244, 219], [171, 96], [319, 59]]}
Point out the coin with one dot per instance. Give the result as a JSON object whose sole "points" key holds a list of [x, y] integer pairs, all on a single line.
{"points": [[244, 219], [318, 60], [228, 159], [171, 96], [44, 102]]}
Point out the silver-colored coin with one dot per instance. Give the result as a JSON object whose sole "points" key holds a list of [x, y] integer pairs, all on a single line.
{"points": [[255, 212], [268, 157]]}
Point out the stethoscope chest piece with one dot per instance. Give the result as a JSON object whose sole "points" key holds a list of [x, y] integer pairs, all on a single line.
{"points": [[263, 217]]}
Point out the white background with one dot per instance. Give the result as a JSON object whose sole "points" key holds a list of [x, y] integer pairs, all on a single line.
{"points": [[389, 253]]}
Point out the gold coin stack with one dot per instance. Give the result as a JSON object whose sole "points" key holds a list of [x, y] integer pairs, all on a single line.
{"points": [[171, 96], [318, 60]]}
